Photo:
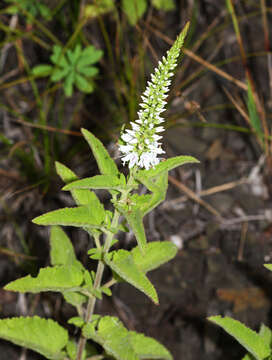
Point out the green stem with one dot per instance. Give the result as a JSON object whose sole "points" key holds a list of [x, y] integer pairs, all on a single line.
{"points": [[100, 270]]}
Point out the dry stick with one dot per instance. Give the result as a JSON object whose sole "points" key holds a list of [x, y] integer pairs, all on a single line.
{"points": [[196, 198]]}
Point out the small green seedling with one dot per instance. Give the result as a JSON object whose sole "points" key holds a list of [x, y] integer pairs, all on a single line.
{"points": [[72, 67]]}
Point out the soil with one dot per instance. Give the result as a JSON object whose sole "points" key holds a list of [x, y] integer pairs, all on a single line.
{"points": [[224, 238]]}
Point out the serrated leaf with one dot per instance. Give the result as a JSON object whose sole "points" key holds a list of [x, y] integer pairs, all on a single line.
{"points": [[44, 336], [248, 338], [163, 4], [83, 84], [101, 331], [156, 254], [134, 9], [58, 57], [105, 163], [147, 348], [80, 216], [121, 262], [266, 333], [58, 74], [57, 278], [75, 298], [134, 218], [76, 321], [82, 197], [108, 182], [42, 70], [61, 249], [166, 165]]}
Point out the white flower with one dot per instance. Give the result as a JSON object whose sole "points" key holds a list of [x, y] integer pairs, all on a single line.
{"points": [[140, 146]]}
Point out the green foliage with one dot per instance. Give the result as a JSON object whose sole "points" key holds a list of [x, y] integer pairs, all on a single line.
{"points": [[80, 216], [81, 197], [254, 343], [43, 336], [109, 182], [98, 8], [253, 113], [124, 345], [58, 278], [156, 254], [74, 68], [105, 163], [34, 8], [122, 262], [163, 4], [134, 9]]}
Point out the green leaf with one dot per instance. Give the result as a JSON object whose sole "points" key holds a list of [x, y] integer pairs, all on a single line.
{"points": [[76, 321], [80, 216], [90, 71], [134, 218], [266, 334], [122, 262], [124, 345], [99, 8], [108, 182], [253, 113], [57, 278], [83, 84], [90, 55], [248, 338], [68, 84], [156, 254], [158, 185], [58, 74], [105, 163], [268, 266], [58, 57], [75, 298], [44, 336], [82, 197], [134, 9], [101, 331], [148, 348], [42, 70], [163, 4], [61, 249], [166, 165]]}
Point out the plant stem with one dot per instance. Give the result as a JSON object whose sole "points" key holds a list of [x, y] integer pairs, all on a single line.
{"points": [[101, 267]]}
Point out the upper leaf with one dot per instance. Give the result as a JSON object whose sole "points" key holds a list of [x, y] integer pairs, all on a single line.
{"points": [[44, 336], [89, 216], [156, 254], [249, 339], [98, 182], [57, 278], [166, 165], [163, 4], [82, 197], [134, 218], [105, 163], [121, 262]]}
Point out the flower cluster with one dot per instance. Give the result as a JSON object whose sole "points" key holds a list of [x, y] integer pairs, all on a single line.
{"points": [[140, 146]]}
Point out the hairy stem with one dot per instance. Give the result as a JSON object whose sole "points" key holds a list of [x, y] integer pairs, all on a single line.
{"points": [[100, 271]]}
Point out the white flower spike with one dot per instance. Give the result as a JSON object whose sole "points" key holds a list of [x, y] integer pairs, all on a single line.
{"points": [[140, 146]]}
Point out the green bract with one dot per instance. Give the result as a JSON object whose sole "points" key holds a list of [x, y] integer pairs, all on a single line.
{"points": [[72, 67]]}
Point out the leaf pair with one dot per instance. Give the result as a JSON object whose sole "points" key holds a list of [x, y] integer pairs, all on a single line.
{"points": [[74, 68]]}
